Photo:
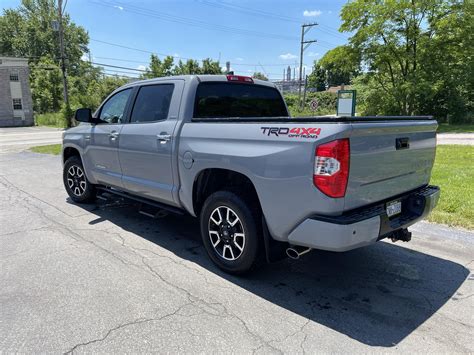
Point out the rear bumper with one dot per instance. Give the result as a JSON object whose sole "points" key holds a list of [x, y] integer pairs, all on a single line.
{"points": [[366, 225]]}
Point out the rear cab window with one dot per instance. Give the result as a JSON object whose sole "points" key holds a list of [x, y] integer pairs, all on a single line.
{"points": [[223, 99]]}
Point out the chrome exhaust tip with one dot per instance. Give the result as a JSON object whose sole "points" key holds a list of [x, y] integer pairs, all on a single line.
{"points": [[295, 252]]}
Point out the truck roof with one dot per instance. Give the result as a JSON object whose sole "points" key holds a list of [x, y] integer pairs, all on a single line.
{"points": [[200, 78]]}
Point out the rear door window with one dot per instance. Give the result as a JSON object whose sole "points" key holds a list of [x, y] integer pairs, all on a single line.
{"points": [[152, 103], [221, 99]]}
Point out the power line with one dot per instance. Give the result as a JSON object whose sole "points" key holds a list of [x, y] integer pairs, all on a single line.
{"points": [[265, 14], [170, 55], [123, 60], [191, 22], [119, 67], [140, 50], [243, 9]]}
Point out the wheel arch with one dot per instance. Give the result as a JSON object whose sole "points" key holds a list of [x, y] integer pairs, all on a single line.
{"points": [[70, 151], [210, 180]]}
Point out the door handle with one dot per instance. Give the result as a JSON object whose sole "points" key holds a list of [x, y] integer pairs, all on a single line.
{"points": [[113, 135], [402, 143], [163, 138]]}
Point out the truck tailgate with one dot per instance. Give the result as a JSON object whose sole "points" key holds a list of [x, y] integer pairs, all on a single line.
{"points": [[388, 159]]}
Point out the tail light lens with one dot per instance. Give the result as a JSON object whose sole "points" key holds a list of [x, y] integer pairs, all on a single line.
{"points": [[240, 78], [331, 167]]}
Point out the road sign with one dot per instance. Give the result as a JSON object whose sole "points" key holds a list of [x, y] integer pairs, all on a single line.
{"points": [[346, 102], [313, 105]]}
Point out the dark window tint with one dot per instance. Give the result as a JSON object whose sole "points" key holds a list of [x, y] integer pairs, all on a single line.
{"points": [[238, 100], [14, 77], [152, 103]]}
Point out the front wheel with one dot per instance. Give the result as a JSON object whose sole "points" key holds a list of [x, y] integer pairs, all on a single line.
{"points": [[75, 181], [229, 232]]}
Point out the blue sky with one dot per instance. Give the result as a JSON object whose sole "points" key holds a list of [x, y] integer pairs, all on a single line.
{"points": [[258, 35]]}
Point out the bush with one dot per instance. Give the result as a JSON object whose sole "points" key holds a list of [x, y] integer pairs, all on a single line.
{"points": [[50, 119], [326, 104]]}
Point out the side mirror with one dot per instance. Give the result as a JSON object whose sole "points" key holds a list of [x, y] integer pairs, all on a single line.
{"points": [[83, 115]]}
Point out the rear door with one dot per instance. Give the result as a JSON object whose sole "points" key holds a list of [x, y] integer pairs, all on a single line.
{"points": [[147, 141], [101, 153]]}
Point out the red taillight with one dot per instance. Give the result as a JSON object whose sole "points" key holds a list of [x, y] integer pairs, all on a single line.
{"points": [[245, 79], [331, 167]]}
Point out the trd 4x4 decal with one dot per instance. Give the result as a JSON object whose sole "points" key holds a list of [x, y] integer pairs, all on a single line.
{"points": [[295, 132]]}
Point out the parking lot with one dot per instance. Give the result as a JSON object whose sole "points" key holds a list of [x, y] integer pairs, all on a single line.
{"points": [[104, 278]]}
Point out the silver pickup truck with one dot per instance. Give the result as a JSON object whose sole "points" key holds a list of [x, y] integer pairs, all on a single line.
{"points": [[224, 149]]}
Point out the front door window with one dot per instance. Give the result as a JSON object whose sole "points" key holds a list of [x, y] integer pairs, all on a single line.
{"points": [[113, 111]]}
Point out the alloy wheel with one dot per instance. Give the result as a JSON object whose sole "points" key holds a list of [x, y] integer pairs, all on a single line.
{"points": [[76, 180], [226, 233]]}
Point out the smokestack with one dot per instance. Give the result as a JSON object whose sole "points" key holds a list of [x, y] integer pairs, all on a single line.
{"points": [[227, 66]]}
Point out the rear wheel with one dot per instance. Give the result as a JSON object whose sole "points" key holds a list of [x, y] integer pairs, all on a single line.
{"points": [[75, 181], [229, 232]]}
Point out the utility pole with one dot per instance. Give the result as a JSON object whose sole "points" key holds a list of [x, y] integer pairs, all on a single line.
{"points": [[63, 62], [304, 44]]}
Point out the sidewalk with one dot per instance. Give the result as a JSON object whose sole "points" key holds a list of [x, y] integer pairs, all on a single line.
{"points": [[456, 138]]}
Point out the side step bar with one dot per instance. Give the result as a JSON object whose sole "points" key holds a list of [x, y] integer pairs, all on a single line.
{"points": [[143, 200]]}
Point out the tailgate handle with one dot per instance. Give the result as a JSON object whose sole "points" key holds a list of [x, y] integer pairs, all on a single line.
{"points": [[402, 143]]}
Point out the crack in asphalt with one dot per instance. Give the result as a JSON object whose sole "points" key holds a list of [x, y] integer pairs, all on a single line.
{"points": [[65, 230], [124, 325]]}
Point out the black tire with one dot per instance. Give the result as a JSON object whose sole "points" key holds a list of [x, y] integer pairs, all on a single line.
{"points": [[245, 253], [75, 181]]}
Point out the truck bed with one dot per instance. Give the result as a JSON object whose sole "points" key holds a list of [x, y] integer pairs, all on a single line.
{"points": [[315, 119]]}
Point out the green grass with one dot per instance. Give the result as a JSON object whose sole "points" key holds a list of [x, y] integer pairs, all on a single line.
{"points": [[454, 173], [455, 128], [51, 119], [54, 149]]}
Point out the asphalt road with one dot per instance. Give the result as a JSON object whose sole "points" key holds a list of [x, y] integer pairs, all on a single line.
{"points": [[104, 278], [16, 139]]}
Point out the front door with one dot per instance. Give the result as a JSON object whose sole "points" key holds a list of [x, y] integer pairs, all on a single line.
{"points": [[101, 151], [147, 141]]}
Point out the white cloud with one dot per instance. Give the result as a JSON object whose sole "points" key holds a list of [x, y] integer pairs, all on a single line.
{"points": [[238, 59], [313, 54], [141, 67], [312, 13], [287, 56], [119, 7]]}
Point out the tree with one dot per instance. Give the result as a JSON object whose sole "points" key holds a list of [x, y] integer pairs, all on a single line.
{"points": [[210, 67], [258, 75], [415, 54], [27, 32], [317, 79], [158, 67], [338, 66], [191, 66], [46, 85]]}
